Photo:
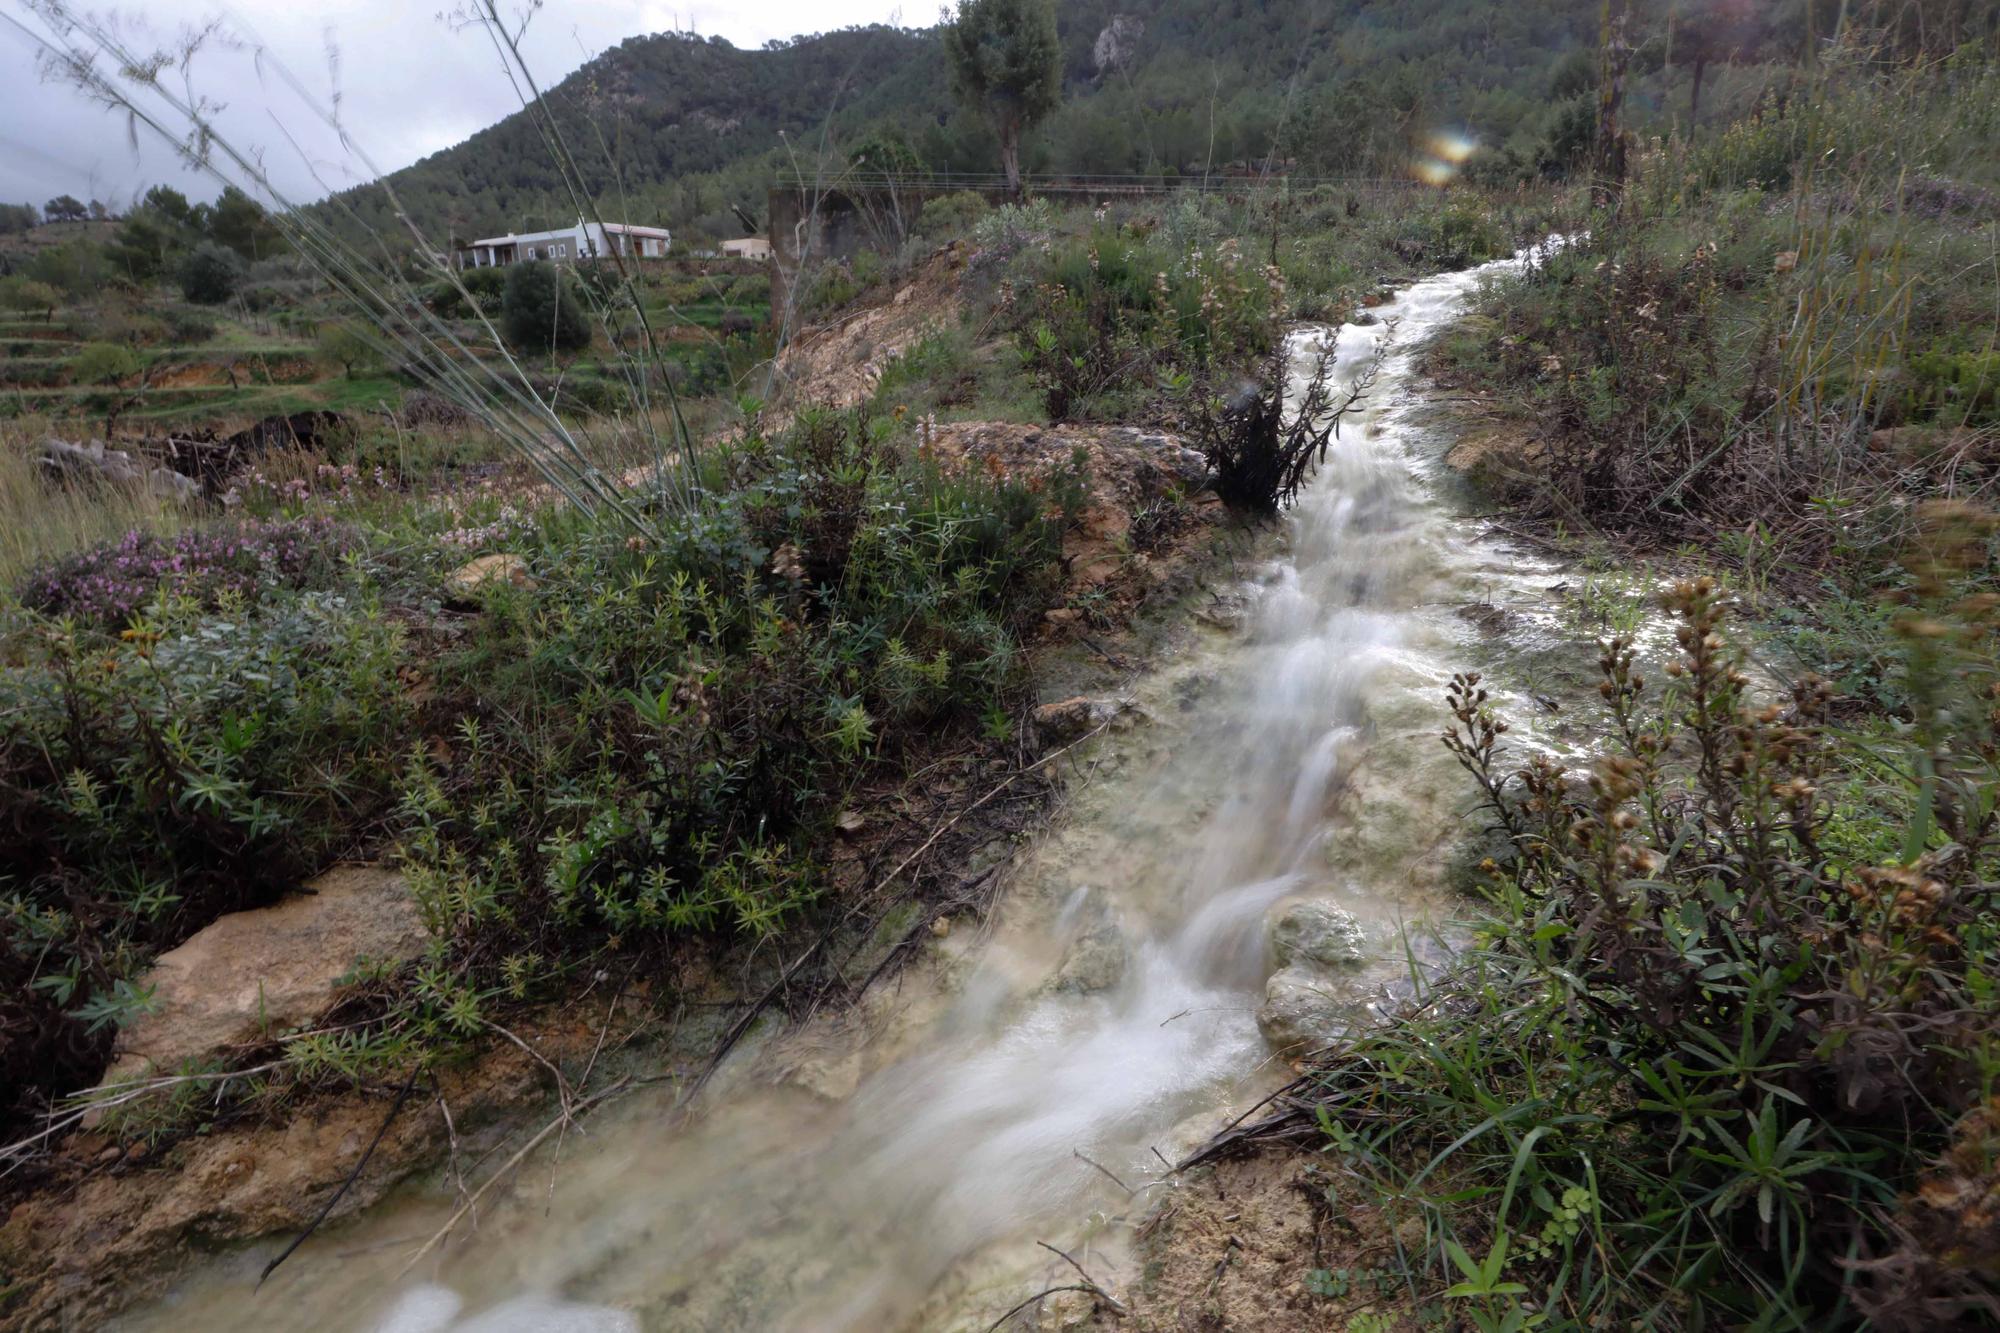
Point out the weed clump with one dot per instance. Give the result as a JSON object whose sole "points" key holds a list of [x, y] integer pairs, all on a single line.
{"points": [[108, 585], [1259, 456], [1711, 1059], [647, 741]]}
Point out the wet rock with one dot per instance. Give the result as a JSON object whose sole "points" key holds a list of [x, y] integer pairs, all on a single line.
{"points": [[250, 975], [1488, 619], [465, 583], [1186, 465], [1070, 719], [1094, 962], [1316, 932], [833, 1075], [1222, 615], [1303, 1010]]}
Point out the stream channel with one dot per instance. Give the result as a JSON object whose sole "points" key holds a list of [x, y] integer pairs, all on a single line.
{"points": [[1101, 1025]]}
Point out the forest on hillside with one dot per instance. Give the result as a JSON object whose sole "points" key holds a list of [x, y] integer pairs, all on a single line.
{"points": [[685, 130]]}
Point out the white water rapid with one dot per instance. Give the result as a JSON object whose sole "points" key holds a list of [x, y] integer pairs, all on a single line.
{"points": [[893, 1169]]}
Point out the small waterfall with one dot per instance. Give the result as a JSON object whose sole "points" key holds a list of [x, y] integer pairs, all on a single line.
{"points": [[1109, 1022]]}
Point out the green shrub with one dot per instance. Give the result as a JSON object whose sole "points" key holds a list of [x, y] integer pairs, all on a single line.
{"points": [[950, 216], [77, 269], [1957, 387], [1723, 1050], [1106, 311], [487, 287], [104, 363], [1457, 236], [147, 783], [27, 296], [210, 274], [342, 344], [189, 327], [647, 739], [540, 311]]}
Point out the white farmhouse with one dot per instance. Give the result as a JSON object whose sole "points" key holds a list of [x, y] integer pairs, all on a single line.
{"points": [[584, 241]]}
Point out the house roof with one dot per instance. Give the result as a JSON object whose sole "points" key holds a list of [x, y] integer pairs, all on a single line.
{"points": [[531, 237]]}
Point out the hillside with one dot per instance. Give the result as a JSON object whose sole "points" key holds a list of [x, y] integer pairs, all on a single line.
{"points": [[684, 126]]}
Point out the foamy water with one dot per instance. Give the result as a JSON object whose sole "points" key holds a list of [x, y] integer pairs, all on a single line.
{"points": [[1103, 1025]]}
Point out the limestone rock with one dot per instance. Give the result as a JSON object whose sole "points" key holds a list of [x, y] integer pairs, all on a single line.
{"points": [[1070, 719], [250, 975], [62, 461], [1117, 45], [1315, 932], [1095, 961], [467, 581], [1304, 1010]]}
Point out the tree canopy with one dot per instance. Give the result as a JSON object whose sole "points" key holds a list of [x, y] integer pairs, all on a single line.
{"points": [[1006, 63]]}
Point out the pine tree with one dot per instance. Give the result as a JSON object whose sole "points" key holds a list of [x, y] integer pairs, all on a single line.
{"points": [[1006, 64]]}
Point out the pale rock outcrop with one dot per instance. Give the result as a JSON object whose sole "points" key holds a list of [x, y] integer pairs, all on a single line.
{"points": [[249, 976]]}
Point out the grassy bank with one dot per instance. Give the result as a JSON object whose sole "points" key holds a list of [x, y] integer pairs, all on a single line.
{"points": [[1723, 1052]]}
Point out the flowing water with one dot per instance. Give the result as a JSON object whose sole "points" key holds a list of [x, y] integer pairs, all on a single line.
{"points": [[894, 1168]]}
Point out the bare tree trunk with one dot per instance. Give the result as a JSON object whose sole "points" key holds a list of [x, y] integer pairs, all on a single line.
{"points": [[1694, 94], [1608, 165], [1010, 158]]}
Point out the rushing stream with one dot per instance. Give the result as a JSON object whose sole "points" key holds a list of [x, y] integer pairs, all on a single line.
{"points": [[894, 1168]]}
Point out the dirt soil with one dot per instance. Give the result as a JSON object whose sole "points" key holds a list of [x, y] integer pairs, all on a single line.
{"points": [[838, 364], [1231, 1251], [111, 1224]]}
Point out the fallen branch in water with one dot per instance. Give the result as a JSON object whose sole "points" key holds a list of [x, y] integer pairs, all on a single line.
{"points": [[1117, 1306], [750, 1016], [326, 1210], [568, 1113]]}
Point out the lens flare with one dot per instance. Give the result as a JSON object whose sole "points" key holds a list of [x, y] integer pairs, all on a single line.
{"points": [[1445, 152]]}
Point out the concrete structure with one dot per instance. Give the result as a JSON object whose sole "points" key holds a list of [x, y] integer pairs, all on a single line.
{"points": [[747, 247], [584, 241]]}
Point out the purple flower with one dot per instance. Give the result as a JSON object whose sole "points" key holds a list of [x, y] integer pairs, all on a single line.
{"points": [[109, 584]]}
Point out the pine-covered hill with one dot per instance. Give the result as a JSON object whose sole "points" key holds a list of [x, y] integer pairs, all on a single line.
{"points": [[662, 120], [674, 128]]}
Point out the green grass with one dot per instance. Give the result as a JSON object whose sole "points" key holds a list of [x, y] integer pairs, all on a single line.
{"points": [[40, 523], [649, 743]]}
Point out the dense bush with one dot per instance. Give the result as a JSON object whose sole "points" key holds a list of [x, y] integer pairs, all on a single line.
{"points": [[1724, 1049], [1108, 312], [189, 327], [193, 765], [27, 296], [648, 737], [210, 274], [109, 585], [540, 310], [487, 287], [949, 216], [104, 363]]}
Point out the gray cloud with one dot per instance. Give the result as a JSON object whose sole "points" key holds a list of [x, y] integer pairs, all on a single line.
{"points": [[409, 82]]}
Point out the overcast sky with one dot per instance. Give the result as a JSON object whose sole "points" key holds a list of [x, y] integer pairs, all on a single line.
{"points": [[410, 81]]}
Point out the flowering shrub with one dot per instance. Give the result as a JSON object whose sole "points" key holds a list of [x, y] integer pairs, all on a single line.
{"points": [[1106, 310], [109, 584], [262, 491]]}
